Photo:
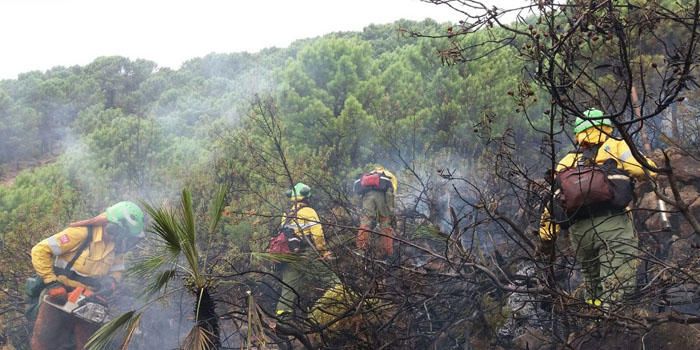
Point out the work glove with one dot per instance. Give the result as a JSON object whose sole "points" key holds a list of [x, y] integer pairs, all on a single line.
{"points": [[57, 293], [107, 287]]}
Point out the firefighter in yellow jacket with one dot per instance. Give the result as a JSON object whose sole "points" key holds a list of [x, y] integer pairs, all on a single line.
{"points": [[308, 240], [99, 244], [602, 234]]}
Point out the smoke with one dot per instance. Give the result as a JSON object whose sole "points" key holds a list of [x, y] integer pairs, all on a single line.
{"points": [[149, 156]]}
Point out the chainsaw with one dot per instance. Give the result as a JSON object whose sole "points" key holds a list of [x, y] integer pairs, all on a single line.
{"points": [[83, 304]]}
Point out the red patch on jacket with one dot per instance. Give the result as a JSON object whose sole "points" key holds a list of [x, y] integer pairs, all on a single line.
{"points": [[64, 239]]}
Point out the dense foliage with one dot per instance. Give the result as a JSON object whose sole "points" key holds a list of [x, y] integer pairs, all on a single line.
{"points": [[74, 140], [118, 128]]}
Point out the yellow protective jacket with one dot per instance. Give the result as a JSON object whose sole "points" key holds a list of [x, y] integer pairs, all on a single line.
{"points": [[306, 222], [97, 260], [610, 148], [394, 181]]}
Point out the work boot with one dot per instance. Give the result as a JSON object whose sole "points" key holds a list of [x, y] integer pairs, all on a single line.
{"points": [[362, 241], [387, 241]]}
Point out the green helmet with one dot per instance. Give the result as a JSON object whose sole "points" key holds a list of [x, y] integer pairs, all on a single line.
{"points": [[299, 192], [593, 119], [127, 215]]}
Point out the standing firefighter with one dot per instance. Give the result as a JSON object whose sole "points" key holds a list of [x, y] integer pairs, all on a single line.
{"points": [[87, 258], [377, 189], [302, 229], [593, 187]]}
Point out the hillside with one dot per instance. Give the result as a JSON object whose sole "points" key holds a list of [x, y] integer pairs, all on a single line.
{"points": [[209, 151]]}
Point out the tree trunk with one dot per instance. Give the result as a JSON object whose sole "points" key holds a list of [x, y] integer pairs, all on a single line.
{"points": [[207, 319], [674, 124]]}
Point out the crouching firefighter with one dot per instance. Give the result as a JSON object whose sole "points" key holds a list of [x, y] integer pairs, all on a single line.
{"points": [[593, 187], [377, 189], [80, 267], [301, 234]]}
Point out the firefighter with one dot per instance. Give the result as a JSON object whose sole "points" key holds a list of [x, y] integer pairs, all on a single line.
{"points": [[377, 189], [307, 240], [87, 254], [602, 234]]}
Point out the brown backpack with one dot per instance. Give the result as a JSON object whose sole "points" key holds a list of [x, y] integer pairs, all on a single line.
{"points": [[593, 186], [583, 186]]}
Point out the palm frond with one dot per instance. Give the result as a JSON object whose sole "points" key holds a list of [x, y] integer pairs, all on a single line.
{"points": [[188, 234], [187, 212], [158, 282], [130, 331], [216, 208], [145, 268], [103, 337], [278, 257], [198, 339], [256, 330], [177, 231], [166, 227]]}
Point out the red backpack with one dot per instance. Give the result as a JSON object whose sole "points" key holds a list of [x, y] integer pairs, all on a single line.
{"points": [[280, 243], [370, 180]]}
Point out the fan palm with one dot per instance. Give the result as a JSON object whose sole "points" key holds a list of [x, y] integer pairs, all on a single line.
{"points": [[175, 255]]}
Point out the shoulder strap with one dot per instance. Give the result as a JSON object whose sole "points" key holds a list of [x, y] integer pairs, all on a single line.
{"points": [[292, 213], [82, 248], [588, 155]]}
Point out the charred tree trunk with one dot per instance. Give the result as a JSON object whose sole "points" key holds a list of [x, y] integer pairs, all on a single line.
{"points": [[207, 319]]}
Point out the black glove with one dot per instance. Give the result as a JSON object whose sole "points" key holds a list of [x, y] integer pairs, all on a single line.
{"points": [[57, 293]]}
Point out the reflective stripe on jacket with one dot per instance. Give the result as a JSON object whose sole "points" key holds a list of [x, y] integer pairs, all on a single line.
{"points": [[614, 149], [97, 260]]}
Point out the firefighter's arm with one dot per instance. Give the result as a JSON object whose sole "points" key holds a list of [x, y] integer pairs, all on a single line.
{"points": [[319, 239], [629, 163], [567, 162], [44, 252], [548, 229], [394, 180], [310, 224]]}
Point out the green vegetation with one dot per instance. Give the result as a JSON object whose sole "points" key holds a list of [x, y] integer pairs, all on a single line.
{"points": [[119, 129], [74, 140], [83, 137]]}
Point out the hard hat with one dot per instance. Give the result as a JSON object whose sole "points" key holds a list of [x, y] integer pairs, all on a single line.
{"points": [[299, 192], [128, 215], [593, 119]]}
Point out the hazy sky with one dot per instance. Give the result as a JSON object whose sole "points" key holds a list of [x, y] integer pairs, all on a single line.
{"points": [[40, 34]]}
